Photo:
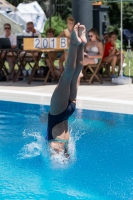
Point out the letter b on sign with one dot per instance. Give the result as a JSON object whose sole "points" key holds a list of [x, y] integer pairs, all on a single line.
{"points": [[63, 42]]}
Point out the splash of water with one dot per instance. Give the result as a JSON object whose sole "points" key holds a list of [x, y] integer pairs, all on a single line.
{"points": [[61, 157], [39, 146], [33, 148]]}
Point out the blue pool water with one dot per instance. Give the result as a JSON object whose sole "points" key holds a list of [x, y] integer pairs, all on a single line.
{"points": [[101, 163]]}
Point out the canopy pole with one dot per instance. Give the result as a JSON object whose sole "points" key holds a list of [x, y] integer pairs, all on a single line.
{"points": [[121, 72], [50, 7], [122, 80]]}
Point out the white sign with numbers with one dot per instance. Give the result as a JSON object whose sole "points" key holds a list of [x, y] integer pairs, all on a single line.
{"points": [[51, 43], [37, 43]]}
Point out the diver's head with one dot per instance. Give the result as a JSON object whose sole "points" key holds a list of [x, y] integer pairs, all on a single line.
{"points": [[58, 149]]}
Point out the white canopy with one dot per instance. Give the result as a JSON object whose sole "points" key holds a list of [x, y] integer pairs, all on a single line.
{"points": [[31, 12], [16, 28], [17, 18], [6, 6]]}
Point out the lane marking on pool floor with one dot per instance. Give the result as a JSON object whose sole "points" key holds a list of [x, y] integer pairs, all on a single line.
{"points": [[83, 98]]}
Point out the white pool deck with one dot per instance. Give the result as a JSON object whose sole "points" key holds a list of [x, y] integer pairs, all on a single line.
{"points": [[102, 97]]}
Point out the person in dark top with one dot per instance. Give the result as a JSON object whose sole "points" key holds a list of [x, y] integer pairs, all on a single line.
{"points": [[63, 100]]}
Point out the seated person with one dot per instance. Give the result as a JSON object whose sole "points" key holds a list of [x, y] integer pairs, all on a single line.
{"points": [[112, 55], [30, 29], [66, 33], [51, 57], [93, 48], [7, 34], [106, 37]]}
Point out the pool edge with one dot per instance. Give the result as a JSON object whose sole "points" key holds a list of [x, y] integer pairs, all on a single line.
{"points": [[98, 104]]}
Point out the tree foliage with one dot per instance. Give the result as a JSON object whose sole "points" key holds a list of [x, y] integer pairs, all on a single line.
{"points": [[114, 15], [128, 15], [66, 10], [57, 23]]}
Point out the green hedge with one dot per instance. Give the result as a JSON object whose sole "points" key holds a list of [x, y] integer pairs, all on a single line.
{"points": [[57, 23]]}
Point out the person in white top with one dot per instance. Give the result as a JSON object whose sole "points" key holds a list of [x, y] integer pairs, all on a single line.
{"points": [[8, 34], [33, 32], [30, 29], [93, 48]]}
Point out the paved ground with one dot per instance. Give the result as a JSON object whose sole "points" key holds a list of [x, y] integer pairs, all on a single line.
{"points": [[105, 97]]}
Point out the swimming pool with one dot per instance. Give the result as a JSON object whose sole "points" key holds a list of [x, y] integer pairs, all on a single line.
{"points": [[101, 166]]}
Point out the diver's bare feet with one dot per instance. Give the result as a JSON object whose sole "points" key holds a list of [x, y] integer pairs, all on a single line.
{"points": [[82, 33], [74, 36]]}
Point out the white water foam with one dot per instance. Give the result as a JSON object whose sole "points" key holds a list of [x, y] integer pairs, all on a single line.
{"points": [[44, 113], [71, 158], [38, 146], [33, 148]]}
